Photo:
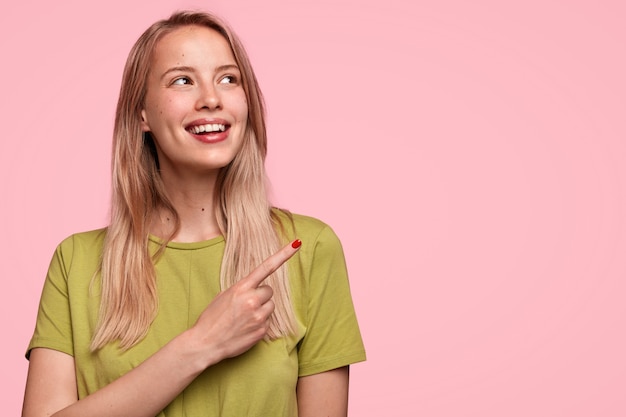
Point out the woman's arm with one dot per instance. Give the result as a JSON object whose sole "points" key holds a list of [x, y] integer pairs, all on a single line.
{"points": [[324, 394], [51, 385], [231, 324], [51, 381], [144, 391]]}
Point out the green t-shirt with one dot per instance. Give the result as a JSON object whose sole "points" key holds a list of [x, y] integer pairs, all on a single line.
{"points": [[260, 382]]}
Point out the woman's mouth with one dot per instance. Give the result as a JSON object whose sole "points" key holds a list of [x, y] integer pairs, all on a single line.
{"points": [[209, 131], [207, 128]]}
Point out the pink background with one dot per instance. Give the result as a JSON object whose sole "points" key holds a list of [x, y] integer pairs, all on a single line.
{"points": [[470, 154]]}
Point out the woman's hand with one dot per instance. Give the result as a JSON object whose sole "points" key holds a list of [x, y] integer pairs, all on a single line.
{"points": [[239, 316]]}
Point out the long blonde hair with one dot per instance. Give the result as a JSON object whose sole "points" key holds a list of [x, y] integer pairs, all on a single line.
{"points": [[129, 300]]}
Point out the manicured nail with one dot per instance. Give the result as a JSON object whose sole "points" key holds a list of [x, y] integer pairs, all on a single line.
{"points": [[296, 243]]}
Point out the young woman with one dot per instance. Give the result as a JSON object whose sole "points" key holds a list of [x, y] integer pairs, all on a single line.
{"points": [[199, 299]]}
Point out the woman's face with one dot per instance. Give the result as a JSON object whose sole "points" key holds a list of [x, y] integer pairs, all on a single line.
{"points": [[195, 106]]}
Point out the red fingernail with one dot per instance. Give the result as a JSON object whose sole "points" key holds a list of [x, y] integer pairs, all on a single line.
{"points": [[296, 243]]}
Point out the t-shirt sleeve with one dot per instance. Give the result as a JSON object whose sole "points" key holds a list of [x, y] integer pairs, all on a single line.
{"points": [[332, 337], [53, 329]]}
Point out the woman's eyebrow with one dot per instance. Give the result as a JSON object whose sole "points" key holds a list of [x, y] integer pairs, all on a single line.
{"points": [[227, 67], [177, 69], [220, 68]]}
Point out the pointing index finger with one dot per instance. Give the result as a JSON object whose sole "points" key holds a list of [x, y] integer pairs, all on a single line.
{"points": [[271, 264]]}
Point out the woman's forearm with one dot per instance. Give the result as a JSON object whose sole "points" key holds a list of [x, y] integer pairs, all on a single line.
{"points": [[144, 391]]}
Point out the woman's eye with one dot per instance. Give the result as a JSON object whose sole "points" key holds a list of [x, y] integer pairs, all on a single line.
{"points": [[229, 79], [181, 81]]}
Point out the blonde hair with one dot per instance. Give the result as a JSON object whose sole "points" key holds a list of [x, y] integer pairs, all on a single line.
{"points": [[129, 300]]}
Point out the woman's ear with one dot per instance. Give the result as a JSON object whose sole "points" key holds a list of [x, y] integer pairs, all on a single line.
{"points": [[145, 127]]}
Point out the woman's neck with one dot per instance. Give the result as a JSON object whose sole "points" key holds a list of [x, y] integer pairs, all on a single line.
{"points": [[194, 201]]}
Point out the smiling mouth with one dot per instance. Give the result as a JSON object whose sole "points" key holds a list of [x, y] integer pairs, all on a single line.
{"points": [[207, 128]]}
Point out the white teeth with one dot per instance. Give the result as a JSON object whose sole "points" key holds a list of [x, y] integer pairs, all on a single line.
{"points": [[215, 127]]}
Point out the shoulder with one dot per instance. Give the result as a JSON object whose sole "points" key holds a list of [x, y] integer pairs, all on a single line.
{"points": [[84, 240], [305, 228], [84, 245], [74, 261], [320, 244]]}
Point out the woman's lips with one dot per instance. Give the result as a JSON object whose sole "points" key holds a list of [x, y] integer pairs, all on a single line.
{"points": [[209, 131]]}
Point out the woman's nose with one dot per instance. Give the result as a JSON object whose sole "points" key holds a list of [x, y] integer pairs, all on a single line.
{"points": [[209, 98]]}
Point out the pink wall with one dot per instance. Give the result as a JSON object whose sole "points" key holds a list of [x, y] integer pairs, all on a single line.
{"points": [[471, 156]]}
